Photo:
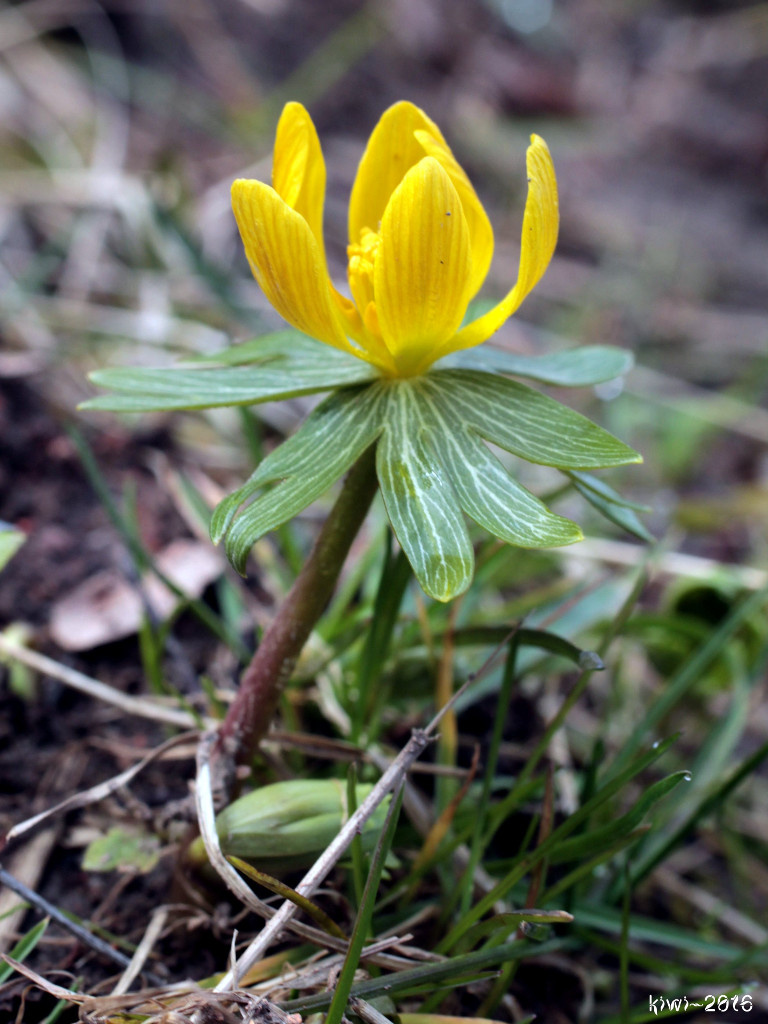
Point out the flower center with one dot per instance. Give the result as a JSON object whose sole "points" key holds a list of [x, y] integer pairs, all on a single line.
{"points": [[362, 261]]}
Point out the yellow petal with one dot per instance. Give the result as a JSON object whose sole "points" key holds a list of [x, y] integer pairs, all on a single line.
{"points": [[298, 170], [423, 267], [287, 262], [539, 238], [298, 176], [391, 152], [480, 230]]}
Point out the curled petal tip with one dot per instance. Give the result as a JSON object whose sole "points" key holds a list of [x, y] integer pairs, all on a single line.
{"points": [[537, 246]]}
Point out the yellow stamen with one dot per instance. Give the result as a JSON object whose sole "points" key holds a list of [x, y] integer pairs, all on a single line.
{"points": [[362, 261]]}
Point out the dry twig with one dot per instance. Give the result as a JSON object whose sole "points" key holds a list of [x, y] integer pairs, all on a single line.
{"points": [[98, 792], [42, 904]]}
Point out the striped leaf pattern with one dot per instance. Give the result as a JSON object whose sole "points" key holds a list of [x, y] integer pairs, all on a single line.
{"points": [[419, 497], [326, 445], [279, 366], [574, 368], [490, 496], [523, 421], [433, 467]]}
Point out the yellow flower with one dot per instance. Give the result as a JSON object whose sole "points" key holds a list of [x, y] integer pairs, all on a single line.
{"points": [[420, 242]]}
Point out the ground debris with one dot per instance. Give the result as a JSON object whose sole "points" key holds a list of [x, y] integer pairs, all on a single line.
{"points": [[178, 1004]]}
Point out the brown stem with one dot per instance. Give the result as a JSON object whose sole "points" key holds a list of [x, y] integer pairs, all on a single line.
{"points": [[252, 710]]}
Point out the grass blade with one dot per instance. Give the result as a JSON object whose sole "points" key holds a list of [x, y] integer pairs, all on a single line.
{"points": [[24, 947], [365, 914]]}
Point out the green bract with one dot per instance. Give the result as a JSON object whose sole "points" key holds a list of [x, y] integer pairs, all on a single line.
{"points": [[433, 465], [287, 825]]}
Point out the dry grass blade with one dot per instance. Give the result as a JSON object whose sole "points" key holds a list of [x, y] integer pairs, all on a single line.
{"points": [[98, 792], [206, 820], [143, 707], [182, 1006], [187, 1004], [323, 865], [668, 563], [47, 986], [26, 864], [143, 950]]}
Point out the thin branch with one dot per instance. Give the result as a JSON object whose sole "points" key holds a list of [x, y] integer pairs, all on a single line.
{"points": [[88, 938]]}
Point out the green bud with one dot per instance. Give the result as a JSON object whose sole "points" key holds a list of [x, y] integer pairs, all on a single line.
{"points": [[287, 825]]}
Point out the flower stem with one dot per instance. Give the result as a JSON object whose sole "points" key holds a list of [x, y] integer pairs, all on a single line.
{"points": [[252, 710]]}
